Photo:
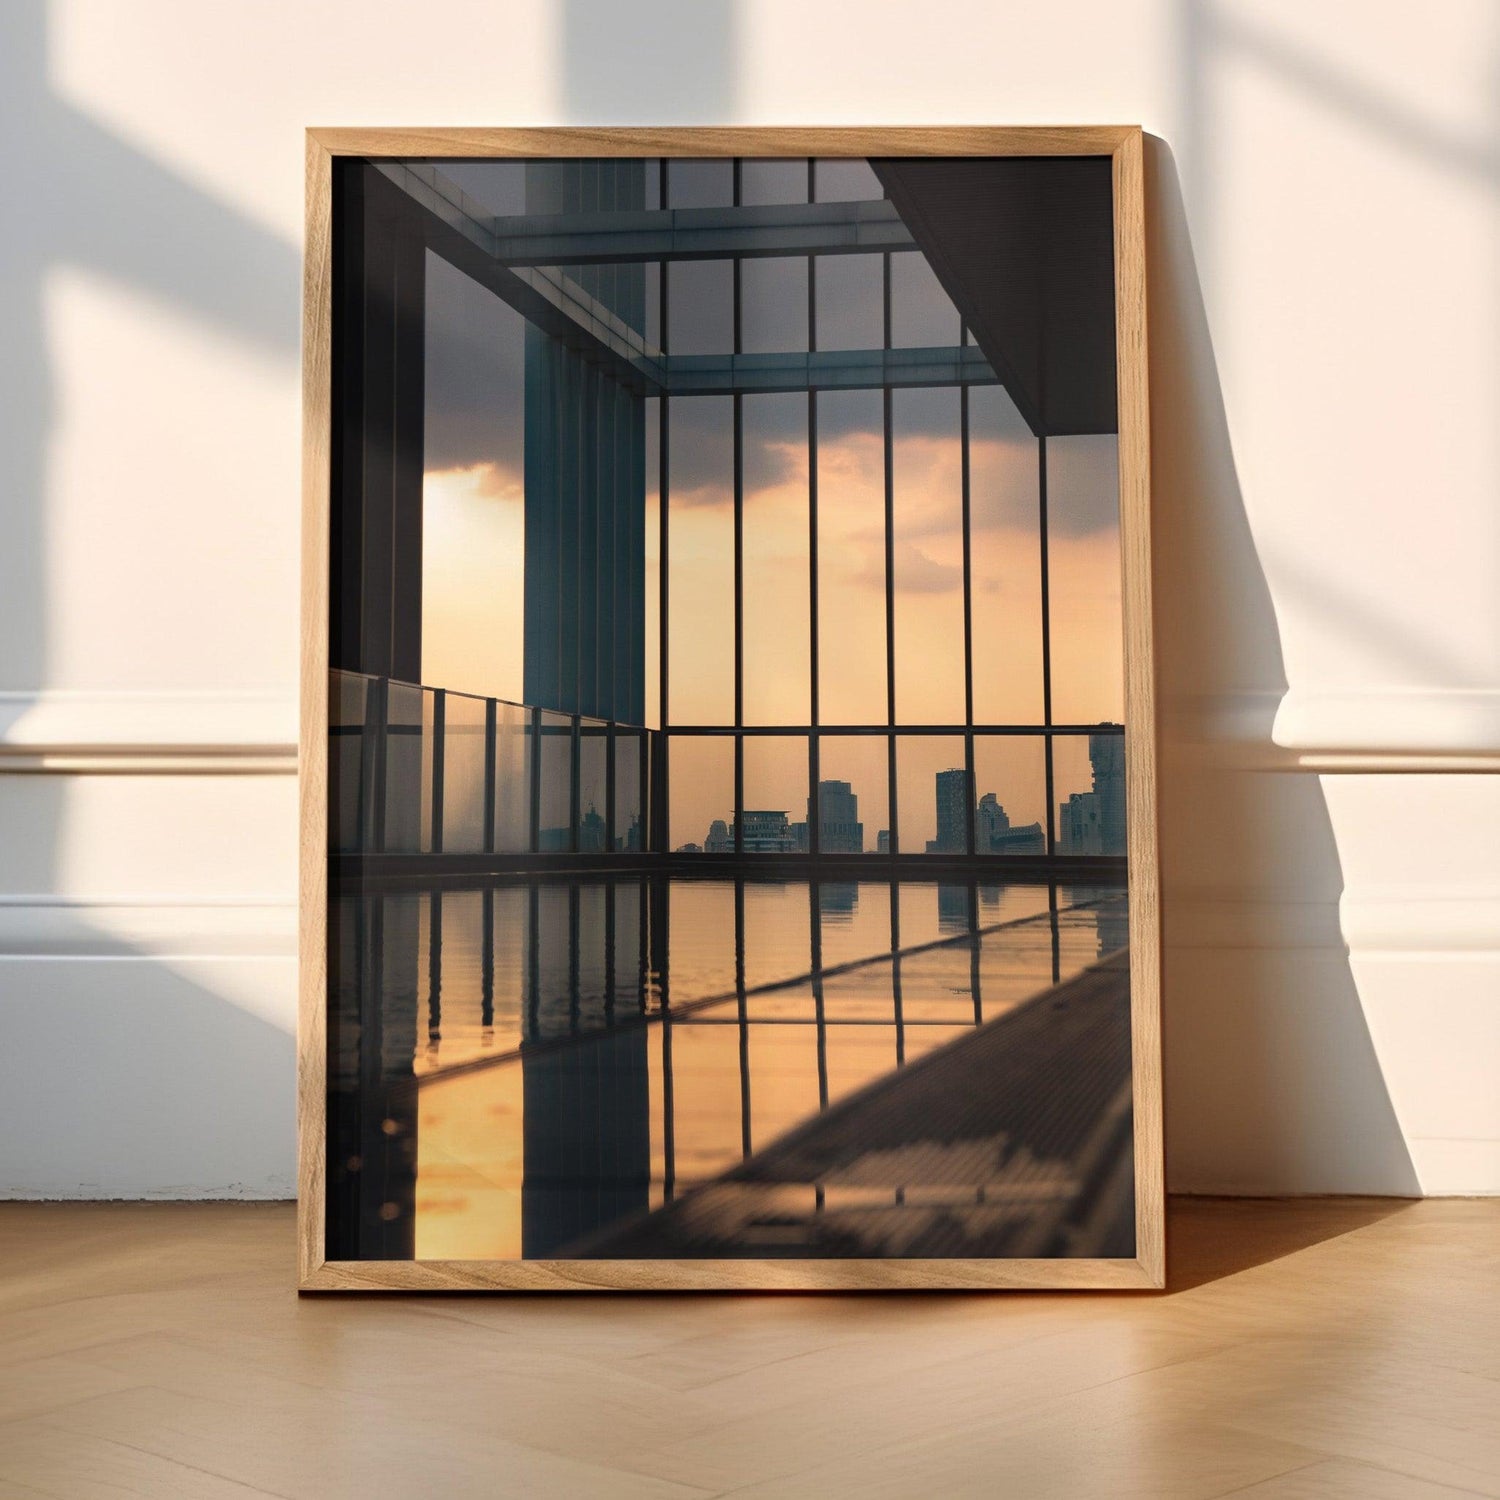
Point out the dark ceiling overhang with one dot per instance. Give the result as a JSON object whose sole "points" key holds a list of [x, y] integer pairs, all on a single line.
{"points": [[1024, 246]]}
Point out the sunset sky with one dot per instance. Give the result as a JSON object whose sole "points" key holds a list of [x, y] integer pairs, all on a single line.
{"points": [[473, 575]]}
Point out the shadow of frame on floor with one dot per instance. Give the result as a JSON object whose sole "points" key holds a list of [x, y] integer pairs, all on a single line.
{"points": [[1212, 1239]]}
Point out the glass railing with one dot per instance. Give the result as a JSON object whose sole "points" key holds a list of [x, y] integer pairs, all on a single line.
{"points": [[424, 770]]}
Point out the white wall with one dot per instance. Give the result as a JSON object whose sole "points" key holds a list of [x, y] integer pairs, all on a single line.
{"points": [[1326, 359]]}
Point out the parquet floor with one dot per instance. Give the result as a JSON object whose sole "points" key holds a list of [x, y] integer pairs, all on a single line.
{"points": [[1306, 1349]]}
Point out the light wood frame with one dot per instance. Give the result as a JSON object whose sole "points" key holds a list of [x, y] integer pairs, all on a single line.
{"points": [[1122, 143]]}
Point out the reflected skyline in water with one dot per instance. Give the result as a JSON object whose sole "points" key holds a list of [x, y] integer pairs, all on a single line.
{"points": [[546, 1063]]}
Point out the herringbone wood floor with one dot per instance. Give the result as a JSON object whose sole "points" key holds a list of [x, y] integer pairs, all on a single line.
{"points": [[1306, 1349]]}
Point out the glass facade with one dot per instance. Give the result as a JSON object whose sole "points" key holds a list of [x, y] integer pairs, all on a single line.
{"points": [[725, 714], [711, 457], [874, 552]]}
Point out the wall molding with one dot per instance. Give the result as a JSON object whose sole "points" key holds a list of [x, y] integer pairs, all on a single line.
{"points": [[1385, 730], [1408, 721], [1430, 921], [153, 928], [148, 733]]}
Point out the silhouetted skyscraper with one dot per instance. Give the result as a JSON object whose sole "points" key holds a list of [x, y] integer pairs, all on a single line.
{"points": [[1107, 757], [1078, 825], [1093, 822], [839, 828], [954, 800], [990, 819]]}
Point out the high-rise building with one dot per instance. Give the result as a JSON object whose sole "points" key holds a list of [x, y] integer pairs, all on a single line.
{"points": [[1078, 825], [839, 828], [990, 820], [591, 833], [1107, 757], [720, 840], [763, 831], [994, 833], [954, 801], [1020, 838], [1093, 822], [883, 841]]}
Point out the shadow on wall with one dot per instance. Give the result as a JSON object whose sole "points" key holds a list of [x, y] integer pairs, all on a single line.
{"points": [[1212, 32], [121, 1074], [1272, 1080]]}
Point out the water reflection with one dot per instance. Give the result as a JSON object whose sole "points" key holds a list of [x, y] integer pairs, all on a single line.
{"points": [[531, 1067]]}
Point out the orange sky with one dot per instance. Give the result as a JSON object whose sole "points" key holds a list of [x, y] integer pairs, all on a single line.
{"points": [[473, 622]]}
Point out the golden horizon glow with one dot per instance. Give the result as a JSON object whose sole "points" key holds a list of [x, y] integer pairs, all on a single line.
{"points": [[473, 612], [473, 580]]}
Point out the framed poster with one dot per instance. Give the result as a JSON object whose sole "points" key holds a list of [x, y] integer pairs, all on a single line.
{"points": [[728, 795]]}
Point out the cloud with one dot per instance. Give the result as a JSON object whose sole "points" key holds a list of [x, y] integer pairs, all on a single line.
{"points": [[917, 573], [474, 373], [486, 481]]}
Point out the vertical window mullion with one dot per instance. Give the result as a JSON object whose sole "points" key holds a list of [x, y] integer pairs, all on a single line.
{"points": [[739, 621], [815, 935], [575, 780], [738, 408], [1041, 452], [743, 1014], [491, 711], [890, 571], [487, 958], [661, 817], [974, 952], [814, 749], [609, 788], [970, 837], [435, 968], [378, 718], [439, 751], [534, 840], [896, 999]]}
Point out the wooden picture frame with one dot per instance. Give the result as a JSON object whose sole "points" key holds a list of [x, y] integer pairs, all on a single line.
{"points": [[1146, 1269]]}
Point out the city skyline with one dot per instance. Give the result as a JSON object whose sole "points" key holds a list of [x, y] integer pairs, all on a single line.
{"points": [[1087, 823], [922, 506]]}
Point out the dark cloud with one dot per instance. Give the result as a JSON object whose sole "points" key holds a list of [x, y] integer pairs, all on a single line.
{"points": [[775, 440], [475, 364], [475, 374], [700, 452]]}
